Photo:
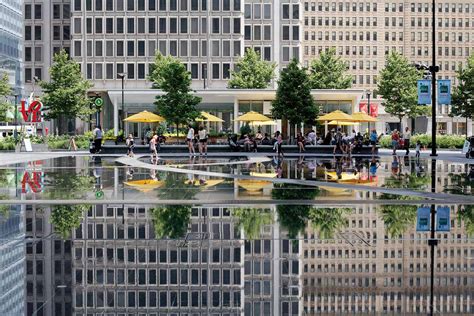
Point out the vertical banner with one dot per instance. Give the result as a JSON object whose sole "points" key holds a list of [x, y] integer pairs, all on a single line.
{"points": [[374, 109], [363, 107], [423, 219], [424, 91], [444, 91], [443, 221]]}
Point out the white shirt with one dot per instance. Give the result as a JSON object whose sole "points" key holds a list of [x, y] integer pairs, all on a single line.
{"points": [[312, 136], [202, 134], [190, 133]]}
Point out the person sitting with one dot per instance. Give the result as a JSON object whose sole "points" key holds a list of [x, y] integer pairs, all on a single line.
{"points": [[266, 140], [358, 140], [312, 137], [300, 142], [258, 137], [328, 139], [250, 144], [234, 146]]}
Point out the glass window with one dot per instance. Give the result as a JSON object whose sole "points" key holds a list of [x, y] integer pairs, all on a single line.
{"points": [[267, 11], [237, 5], [38, 11], [257, 11], [285, 11], [215, 5], [236, 25], [215, 25], [173, 25], [215, 71]]}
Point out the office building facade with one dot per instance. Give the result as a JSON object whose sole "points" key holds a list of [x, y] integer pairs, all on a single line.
{"points": [[364, 32], [11, 43]]}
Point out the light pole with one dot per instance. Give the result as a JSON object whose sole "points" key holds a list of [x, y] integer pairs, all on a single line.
{"points": [[368, 107], [61, 286], [15, 131], [434, 69], [122, 76]]}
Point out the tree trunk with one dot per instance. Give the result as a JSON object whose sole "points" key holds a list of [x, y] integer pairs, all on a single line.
{"points": [[177, 132]]}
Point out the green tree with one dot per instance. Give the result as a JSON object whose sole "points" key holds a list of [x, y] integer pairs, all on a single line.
{"points": [[463, 94], [398, 87], [399, 218], [252, 72], [293, 217], [171, 221], [65, 96], [329, 71], [327, 221], [65, 218], [293, 97], [178, 104], [466, 215], [251, 220], [5, 92]]}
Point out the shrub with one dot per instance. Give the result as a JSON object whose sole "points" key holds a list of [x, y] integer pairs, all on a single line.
{"points": [[442, 141]]}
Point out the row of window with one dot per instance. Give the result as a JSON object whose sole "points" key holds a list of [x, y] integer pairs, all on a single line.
{"points": [[142, 48], [154, 5], [148, 255], [196, 277], [350, 6], [145, 299], [341, 36], [60, 11], [152, 25], [255, 11], [426, 22]]}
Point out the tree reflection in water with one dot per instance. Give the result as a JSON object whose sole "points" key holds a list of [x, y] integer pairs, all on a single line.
{"points": [[399, 218], [251, 221], [66, 218], [328, 221], [293, 217], [171, 221], [466, 215]]}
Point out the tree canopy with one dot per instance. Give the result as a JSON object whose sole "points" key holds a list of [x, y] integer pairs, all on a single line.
{"points": [[251, 220], [65, 218], [329, 71], [177, 105], [5, 92], [293, 97], [171, 220], [66, 94], [251, 72], [463, 94], [398, 86]]}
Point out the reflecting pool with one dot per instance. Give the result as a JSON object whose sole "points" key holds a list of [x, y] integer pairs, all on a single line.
{"points": [[234, 236]]}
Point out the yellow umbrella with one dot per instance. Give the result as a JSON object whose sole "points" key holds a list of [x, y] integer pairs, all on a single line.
{"points": [[265, 123], [337, 115], [363, 117], [263, 174], [144, 117], [208, 117], [253, 116], [207, 183], [253, 185], [342, 123], [145, 185]]}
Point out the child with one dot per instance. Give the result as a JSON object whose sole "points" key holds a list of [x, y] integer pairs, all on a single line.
{"points": [[418, 148], [130, 145]]}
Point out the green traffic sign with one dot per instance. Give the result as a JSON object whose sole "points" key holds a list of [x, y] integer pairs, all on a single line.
{"points": [[99, 194], [99, 101]]}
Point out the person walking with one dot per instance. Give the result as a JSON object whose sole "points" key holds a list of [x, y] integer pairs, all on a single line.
{"points": [[338, 141], [279, 142], [202, 133], [373, 138], [406, 140], [395, 141], [130, 142], [97, 139], [418, 149], [190, 140], [153, 151]]}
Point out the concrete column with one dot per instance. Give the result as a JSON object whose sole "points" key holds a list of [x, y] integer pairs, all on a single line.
{"points": [[236, 114], [469, 127]]}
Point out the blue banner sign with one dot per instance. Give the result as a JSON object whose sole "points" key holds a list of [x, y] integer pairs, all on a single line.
{"points": [[444, 91], [424, 92], [423, 219], [443, 221]]}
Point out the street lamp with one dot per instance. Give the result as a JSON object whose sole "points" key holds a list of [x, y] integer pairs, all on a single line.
{"points": [[368, 106], [434, 69], [61, 286], [122, 76], [15, 131]]}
